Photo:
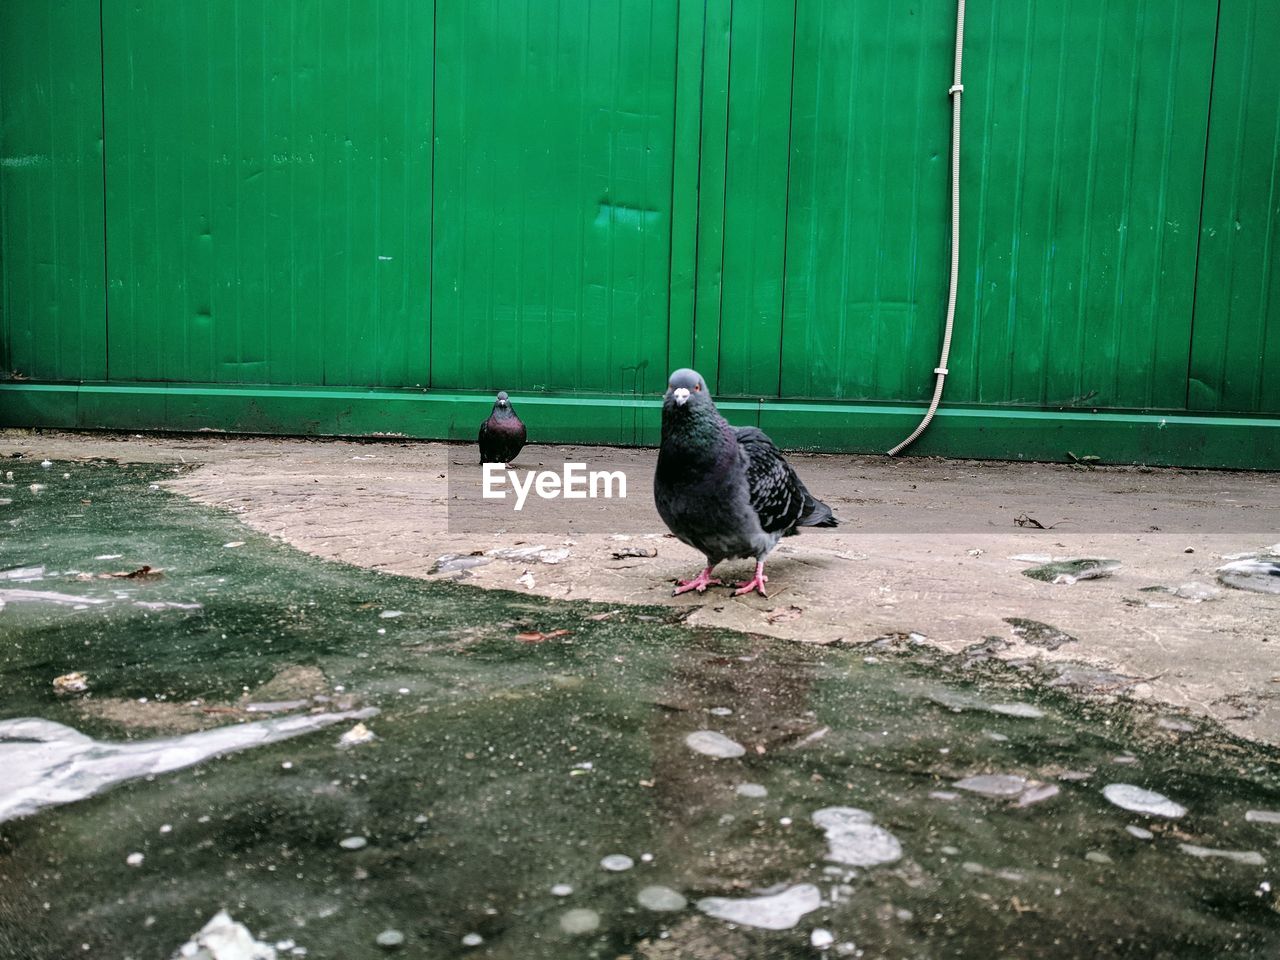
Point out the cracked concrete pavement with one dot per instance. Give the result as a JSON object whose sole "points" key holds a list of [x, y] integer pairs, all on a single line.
{"points": [[925, 547]]}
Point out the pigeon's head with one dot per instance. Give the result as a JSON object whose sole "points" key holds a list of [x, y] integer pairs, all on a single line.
{"points": [[502, 402], [686, 390]]}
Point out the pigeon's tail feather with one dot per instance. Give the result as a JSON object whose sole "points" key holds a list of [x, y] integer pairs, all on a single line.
{"points": [[816, 514]]}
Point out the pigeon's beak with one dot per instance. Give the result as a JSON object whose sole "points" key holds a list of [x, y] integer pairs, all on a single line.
{"points": [[681, 395]]}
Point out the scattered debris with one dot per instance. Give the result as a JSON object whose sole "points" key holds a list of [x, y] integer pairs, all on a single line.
{"points": [[1193, 591], [1262, 816], [134, 859], [783, 614], [988, 648], [353, 843], [617, 862], [357, 735], [1087, 461], [579, 921], [278, 706], [712, 744], [23, 574], [1027, 521], [1092, 680], [853, 839], [626, 552], [661, 899], [821, 939], [389, 939], [1249, 857], [957, 701], [1259, 575], [526, 580], [1001, 785], [20, 595], [754, 791], [1039, 634], [74, 682], [1073, 570], [536, 636], [459, 562], [1038, 793], [539, 553], [1137, 800], [778, 911], [144, 572], [224, 939]]}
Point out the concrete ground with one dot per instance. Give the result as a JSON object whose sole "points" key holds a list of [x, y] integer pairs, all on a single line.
{"points": [[926, 547]]}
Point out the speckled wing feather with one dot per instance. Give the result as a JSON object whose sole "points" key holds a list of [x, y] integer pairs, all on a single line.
{"points": [[777, 495]]}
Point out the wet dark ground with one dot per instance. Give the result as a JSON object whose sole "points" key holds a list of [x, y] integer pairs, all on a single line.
{"points": [[512, 758]]}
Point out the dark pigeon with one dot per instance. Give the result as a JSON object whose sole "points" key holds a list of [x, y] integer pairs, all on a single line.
{"points": [[502, 436], [725, 490]]}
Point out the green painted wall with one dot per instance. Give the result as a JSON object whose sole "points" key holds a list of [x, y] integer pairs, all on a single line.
{"points": [[468, 195], [267, 172], [551, 249], [52, 303], [1235, 355]]}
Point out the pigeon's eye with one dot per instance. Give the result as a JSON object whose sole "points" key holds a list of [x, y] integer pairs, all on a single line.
{"points": [[697, 388]]}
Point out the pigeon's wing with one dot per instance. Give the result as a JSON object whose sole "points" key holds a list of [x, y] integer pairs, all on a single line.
{"points": [[485, 440], [777, 495]]}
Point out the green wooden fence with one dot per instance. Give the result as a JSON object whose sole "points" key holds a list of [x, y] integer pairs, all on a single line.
{"points": [[362, 216]]}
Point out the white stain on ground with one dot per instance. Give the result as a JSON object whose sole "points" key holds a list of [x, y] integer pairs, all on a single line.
{"points": [[1137, 800], [853, 838], [47, 763], [712, 744], [776, 911]]}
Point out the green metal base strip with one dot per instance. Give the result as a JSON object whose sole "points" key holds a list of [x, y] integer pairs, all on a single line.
{"points": [[980, 433]]}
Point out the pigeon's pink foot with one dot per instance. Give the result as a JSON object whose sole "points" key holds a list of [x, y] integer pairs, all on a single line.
{"points": [[756, 583], [699, 583]]}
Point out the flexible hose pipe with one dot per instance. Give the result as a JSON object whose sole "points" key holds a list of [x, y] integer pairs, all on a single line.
{"points": [[956, 93]]}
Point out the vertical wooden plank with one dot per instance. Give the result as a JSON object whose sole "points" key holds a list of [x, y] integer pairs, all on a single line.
{"points": [[755, 215], [712, 164], [52, 320], [866, 248], [268, 172], [552, 197], [1236, 338], [1080, 197], [1083, 123]]}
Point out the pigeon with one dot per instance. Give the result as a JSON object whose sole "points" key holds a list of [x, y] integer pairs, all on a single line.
{"points": [[502, 436], [725, 490]]}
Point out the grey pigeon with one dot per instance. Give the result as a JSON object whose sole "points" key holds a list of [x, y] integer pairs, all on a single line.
{"points": [[502, 436], [725, 490]]}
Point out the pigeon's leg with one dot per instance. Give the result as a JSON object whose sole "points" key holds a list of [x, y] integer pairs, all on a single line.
{"points": [[756, 583], [699, 583]]}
